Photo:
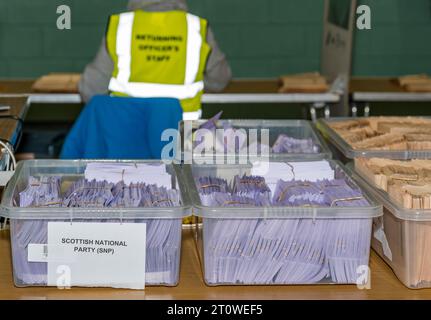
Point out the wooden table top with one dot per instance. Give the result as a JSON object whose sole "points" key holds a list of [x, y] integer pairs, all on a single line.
{"points": [[357, 84], [16, 86], [9, 127], [236, 86], [383, 282], [238, 91], [375, 85], [253, 86], [379, 89]]}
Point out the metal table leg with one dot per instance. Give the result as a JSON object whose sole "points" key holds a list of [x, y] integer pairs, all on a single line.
{"points": [[327, 112], [313, 113], [354, 110], [367, 109], [319, 105]]}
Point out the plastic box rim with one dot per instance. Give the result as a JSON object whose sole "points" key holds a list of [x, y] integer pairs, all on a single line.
{"points": [[325, 152], [415, 215], [372, 211], [7, 210], [350, 153]]}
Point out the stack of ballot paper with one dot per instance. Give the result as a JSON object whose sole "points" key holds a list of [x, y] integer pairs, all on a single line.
{"points": [[241, 250], [57, 83], [408, 182], [105, 187], [129, 173], [404, 238], [416, 83], [385, 133], [274, 171], [237, 141], [303, 83]]}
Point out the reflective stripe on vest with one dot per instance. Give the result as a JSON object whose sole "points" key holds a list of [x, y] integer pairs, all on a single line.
{"points": [[194, 43], [196, 50], [151, 90]]}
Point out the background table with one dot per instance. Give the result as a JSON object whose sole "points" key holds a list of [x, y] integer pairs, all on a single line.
{"points": [[18, 108], [265, 91], [10, 129], [383, 282], [249, 98], [370, 92], [238, 91], [14, 86]]}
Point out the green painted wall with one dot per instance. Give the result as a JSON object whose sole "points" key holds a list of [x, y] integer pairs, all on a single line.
{"points": [[262, 38], [399, 42]]}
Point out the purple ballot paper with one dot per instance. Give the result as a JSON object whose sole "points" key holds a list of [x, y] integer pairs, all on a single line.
{"points": [[163, 236], [235, 140], [283, 250]]}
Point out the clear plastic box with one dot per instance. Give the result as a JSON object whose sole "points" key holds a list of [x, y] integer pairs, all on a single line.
{"points": [[347, 151], [35, 221], [400, 237], [243, 269], [298, 129]]}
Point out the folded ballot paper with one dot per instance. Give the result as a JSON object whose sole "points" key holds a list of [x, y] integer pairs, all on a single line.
{"points": [[307, 171], [222, 137], [385, 133], [311, 82], [108, 186], [129, 173], [416, 83], [282, 250]]}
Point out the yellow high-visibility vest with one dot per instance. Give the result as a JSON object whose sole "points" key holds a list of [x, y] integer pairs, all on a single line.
{"points": [[158, 54]]}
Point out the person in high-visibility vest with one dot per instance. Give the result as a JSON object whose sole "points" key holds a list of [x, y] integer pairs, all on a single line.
{"points": [[157, 49]]}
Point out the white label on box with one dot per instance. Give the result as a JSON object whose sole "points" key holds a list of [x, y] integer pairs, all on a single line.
{"points": [[96, 255]]}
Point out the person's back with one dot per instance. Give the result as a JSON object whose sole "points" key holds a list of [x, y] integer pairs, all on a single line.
{"points": [[157, 49]]}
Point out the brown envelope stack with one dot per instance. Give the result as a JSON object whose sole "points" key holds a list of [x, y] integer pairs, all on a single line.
{"points": [[406, 246], [303, 83], [386, 133], [408, 182], [57, 83], [416, 83]]}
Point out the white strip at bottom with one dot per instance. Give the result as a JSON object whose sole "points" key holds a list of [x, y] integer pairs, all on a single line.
{"points": [[196, 115]]}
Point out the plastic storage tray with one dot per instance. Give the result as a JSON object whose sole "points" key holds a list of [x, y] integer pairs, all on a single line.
{"points": [[35, 221], [214, 221], [401, 237], [299, 129], [347, 151]]}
